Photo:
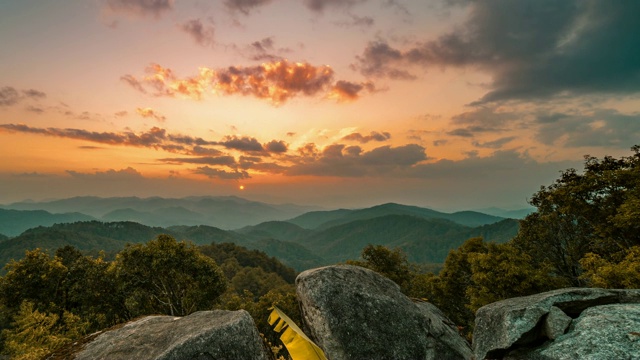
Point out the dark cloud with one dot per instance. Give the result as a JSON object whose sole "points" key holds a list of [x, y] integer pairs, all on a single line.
{"points": [[602, 127], [321, 5], [35, 109], [533, 49], [153, 138], [265, 50], [201, 34], [243, 143], [208, 160], [440, 142], [245, 6], [495, 144], [221, 174], [34, 94], [109, 175], [357, 21], [461, 132], [276, 146], [122, 113], [203, 151], [142, 8], [349, 91], [373, 136], [134, 83], [10, 96], [340, 160]]}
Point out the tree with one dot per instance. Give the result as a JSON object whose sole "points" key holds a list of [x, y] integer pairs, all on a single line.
{"points": [[580, 213], [392, 264], [450, 287], [503, 272], [164, 276], [35, 334], [623, 274], [36, 278]]}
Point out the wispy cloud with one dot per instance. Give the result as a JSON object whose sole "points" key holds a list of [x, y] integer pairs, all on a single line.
{"points": [[373, 136], [202, 34], [10, 96], [142, 8], [150, 113], [245, 6]]}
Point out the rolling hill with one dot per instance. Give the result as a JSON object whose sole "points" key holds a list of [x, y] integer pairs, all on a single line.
{"points": [[14, 222]]}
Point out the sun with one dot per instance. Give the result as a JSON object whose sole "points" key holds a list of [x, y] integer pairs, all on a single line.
{"points": [[241, 187]]}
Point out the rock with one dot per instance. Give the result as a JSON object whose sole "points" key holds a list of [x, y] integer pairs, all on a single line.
{"points": [[201, 335], [601, 332], [505, 326], [556, 323], [355, 313]]}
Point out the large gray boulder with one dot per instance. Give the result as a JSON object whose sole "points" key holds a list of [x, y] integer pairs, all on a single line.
{"points": [[601, 332], [517, 324], [355, 313], [201, 335]]}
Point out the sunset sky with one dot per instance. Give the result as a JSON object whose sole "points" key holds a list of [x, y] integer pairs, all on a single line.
{"points": [[448, 104]]}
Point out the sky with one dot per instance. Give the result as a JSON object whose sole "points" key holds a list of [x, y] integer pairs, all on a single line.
{"points": [[447, 104]]}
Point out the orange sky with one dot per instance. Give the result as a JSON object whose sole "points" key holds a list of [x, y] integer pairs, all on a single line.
{"points": [[445, 104]]}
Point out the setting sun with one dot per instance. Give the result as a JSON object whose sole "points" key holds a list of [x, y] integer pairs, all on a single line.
{"points": [[241, 187]]}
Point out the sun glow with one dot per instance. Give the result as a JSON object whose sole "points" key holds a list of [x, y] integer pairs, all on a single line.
{"points": [[241, 187]]}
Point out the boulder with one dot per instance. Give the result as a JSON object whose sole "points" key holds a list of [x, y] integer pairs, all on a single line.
{"points": [[201, 335], [600, 332], [525, 322], [355, 313]]}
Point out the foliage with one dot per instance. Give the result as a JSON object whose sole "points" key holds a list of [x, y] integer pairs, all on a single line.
{"points": [[35, 334], [392, 264], [504, 272], [625, 274], [248, 258], [36, 278], [297, 343], [595, 211], [168, 277]]}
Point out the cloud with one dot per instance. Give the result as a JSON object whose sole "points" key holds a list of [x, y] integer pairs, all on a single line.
{"points": [[357, 21], [321, 5], [373, 136], [141, 8], [601, 127], [245, 6], [34, 94], [275, 146], [350, 161], [276, 82], [10, 96], [349, 91], [35, 109], [221, 174], [532, 50], [242, 143], [208, 160], [150, 113], [201, 34], [495, 144], [122, 113], [108, 175]]}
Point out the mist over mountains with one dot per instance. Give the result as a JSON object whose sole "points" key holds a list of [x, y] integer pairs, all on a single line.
{"points": [[302, 237]]}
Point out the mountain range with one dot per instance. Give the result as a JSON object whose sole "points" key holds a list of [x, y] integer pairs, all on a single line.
{"points": [[309, 239]]}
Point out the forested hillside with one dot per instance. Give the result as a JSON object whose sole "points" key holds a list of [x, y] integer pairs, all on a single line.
{"points": [[425, 240]]}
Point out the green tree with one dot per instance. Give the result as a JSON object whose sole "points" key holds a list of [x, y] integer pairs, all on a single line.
{"points": [[603, 273], [593, 211], [450, 287], [35, 334], [392, 264], [36, 278], [164, 276], [503, 272]]}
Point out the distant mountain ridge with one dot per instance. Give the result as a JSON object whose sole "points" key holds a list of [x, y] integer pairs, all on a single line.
{"points": [[225, 212], [326, 219]]}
